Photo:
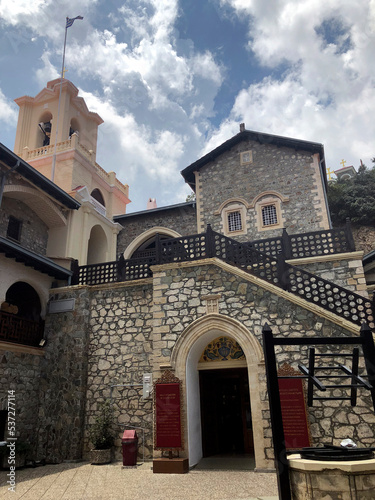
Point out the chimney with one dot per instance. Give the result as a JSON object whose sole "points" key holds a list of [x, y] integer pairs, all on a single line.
{"points": [[151, 203], [242, 127]]}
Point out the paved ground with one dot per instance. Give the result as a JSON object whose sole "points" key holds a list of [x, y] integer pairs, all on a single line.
{"points": [[83, 481]]}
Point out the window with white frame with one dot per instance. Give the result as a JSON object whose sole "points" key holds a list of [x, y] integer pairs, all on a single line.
{"points": [[234, 221], [269, 215]]}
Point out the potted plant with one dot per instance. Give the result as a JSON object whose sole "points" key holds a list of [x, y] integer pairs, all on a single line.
{"points": [[101, 435]]}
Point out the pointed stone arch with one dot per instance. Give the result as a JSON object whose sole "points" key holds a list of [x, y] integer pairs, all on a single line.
{"points": [[184, 360]]}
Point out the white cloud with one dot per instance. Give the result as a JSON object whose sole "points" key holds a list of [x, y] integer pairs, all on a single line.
{"points": [[326, 90], [8, 112], [47, 72]]}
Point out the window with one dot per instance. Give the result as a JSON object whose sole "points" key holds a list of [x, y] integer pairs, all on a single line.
{"points": [[246, 157], [269, 215], [234, 221], [14, 228]]}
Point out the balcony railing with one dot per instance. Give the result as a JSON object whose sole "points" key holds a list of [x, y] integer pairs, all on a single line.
{"points": [[271, 268], [20, 330]]}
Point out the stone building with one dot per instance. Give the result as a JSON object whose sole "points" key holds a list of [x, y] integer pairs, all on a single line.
{"points": [[193, 287]]}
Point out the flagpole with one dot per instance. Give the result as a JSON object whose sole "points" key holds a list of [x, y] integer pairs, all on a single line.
{"points": [[68, 23], [58, 108]]}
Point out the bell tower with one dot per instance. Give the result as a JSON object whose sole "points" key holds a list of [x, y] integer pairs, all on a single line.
{"points": [[57, 135]]}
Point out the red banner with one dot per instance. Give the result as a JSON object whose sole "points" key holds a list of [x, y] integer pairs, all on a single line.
{"points": [[293, 409], [168, 415]]}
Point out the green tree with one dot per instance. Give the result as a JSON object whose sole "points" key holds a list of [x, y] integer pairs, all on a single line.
{"points": [[353, 198]]}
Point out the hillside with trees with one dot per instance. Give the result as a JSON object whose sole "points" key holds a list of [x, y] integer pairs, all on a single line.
{"points": [[354, 198]]}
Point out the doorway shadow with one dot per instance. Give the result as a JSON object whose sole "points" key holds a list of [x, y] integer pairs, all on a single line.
{"points": [[233, 462]]}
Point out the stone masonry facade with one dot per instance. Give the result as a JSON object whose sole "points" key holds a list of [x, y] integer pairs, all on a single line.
{"points": [[290, 173], [179, 302], [181, 219], [34, 233], [118, 332]]}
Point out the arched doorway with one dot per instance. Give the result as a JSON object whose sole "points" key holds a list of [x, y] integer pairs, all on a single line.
{"points": [[97, 246], [185, 358], [22, 300], [225, 399], [20, 315]]}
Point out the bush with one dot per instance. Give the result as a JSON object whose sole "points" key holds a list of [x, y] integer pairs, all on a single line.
{"points": [[101, 434]]}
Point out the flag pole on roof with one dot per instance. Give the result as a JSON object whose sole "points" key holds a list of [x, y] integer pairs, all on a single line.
{"points": [[69, 22]]}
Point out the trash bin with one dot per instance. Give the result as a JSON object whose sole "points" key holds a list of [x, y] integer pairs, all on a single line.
{"points": [[129, 448]]}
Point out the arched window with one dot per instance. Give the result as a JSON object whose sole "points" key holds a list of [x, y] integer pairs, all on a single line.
{"points": [[233, 216], [44, 130], [268, 208], [74, 127], [97, 195]]}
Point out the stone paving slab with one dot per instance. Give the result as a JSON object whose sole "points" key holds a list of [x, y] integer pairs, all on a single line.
{"points": [[83, 481]]}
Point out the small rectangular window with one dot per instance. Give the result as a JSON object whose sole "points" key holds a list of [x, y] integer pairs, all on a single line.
{"points": [[234, 221], [14, 228], [246, 157], [269, 215]]}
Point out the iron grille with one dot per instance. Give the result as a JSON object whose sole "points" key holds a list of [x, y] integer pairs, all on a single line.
{"points": [[20, 330]]}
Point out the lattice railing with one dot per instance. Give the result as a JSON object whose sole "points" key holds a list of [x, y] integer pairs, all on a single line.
{"points": [[182, 249], [20, 330], [313, 244], [332, 297], [246, 256], [112, 272]]}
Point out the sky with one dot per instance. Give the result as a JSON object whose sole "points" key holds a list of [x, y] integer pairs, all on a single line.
{"points": [[173, 79]]}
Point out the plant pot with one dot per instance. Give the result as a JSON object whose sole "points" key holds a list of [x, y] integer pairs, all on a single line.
{"points": [[100, 457]]}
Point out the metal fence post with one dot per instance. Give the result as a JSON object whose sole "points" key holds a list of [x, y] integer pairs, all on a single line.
{"points": [[75, 268], [210, 241], [286, 244], [281, 461]]}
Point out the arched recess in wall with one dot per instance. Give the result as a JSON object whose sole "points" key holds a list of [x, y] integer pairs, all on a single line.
{"points": [[22, 300], [39, 203], [97, 195], [185, 358], [74, 127], [97, 246], [44, 130], [146, 240]]}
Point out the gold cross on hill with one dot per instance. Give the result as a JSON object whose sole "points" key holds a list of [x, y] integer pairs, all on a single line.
{"points": [[342, 162], [329, 173]]}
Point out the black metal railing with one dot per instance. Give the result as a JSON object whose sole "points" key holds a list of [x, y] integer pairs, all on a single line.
{"points": [[20, 330], [268, 265], [313, 244]]}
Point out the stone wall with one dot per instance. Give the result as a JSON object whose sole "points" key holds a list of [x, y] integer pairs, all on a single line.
{"points": [[364, 238], [63, 379], [180, 301], [181, 219], [119, 353], [34, 233], [290, 173], [20, 371]]}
